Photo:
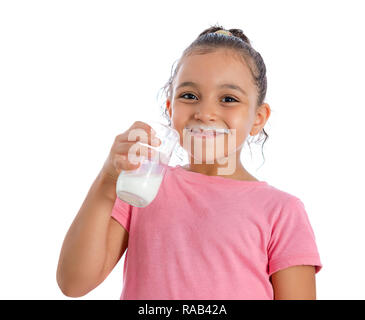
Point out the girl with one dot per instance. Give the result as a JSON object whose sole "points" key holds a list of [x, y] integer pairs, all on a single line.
{"points": [[207, 234]]}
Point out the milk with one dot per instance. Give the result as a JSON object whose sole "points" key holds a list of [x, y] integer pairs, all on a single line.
{"points": [[140, 187]]}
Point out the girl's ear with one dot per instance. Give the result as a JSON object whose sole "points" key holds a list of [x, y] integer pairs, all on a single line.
{"points": [[262, 115]]}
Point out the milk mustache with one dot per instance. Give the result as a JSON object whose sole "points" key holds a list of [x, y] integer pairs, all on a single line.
{"points": [[139, 187]]}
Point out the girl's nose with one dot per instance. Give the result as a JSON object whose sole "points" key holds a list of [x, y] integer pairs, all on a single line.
{"points": [[205, 113]]}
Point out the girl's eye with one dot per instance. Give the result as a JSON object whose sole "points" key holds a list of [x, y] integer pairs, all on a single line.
{"points": [[231, 98], [190, 94], [185, 94]]}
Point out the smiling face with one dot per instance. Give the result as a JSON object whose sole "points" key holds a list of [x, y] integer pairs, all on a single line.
{"points": [[215, 91]]}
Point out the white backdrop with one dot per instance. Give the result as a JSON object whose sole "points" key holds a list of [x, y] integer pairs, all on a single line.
{"points": [[74, 74]]}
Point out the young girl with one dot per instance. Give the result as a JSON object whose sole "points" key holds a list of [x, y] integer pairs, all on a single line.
{"points": [[206, 235]]}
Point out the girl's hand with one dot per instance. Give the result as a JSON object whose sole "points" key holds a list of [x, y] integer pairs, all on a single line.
{"points": [[125, 152]]}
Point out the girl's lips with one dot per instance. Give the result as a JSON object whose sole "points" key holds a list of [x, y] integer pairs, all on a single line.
{"points": [[207, 135]]}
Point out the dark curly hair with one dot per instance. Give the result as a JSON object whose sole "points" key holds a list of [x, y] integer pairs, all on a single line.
{"points": [[208, 41]]}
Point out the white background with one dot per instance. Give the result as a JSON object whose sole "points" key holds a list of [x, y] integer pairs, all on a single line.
{"points": [[74, 74]]}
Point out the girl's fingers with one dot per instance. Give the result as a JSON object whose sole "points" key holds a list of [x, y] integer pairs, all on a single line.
{"points": [[134, 148], [139, 131], [121, 163], [137, 151]]}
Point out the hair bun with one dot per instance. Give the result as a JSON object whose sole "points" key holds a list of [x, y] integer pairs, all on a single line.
{"points": [[239, 34], [220, 29]]}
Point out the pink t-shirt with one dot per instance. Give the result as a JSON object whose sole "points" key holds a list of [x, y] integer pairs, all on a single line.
{"points": [[212, 238]]}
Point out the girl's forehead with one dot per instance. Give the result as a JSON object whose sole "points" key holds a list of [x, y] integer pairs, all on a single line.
{"points": [[215, 66]]}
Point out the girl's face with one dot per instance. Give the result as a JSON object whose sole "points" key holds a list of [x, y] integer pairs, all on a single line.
{"points": [[215, 90]]}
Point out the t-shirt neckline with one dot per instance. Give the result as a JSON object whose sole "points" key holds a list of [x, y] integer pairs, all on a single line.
{"points": [[202, 177]]}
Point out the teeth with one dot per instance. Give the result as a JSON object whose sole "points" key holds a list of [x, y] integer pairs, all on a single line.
{"points": [[208, 131]]}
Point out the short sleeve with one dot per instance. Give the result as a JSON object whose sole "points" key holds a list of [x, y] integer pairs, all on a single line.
{"points": [[292, 240], [122, 213]]}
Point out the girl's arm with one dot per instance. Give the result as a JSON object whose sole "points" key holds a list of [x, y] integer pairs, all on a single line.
{"points": [[94, 242], [294, 283]]}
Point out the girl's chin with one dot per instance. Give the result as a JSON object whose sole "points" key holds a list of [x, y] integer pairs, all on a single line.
{"points": [[206, 157]]}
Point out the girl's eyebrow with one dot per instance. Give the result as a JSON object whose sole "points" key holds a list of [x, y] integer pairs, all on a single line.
{"points": [[224, 85]]}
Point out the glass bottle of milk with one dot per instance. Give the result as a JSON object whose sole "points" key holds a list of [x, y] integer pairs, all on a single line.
{"points": [[140, 186]]}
